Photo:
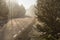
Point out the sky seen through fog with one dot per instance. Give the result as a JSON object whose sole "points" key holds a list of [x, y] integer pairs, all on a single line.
{"points": [[26, 3]]}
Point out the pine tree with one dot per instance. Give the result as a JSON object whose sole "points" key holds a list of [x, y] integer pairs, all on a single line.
{"points": [[48, 13]]}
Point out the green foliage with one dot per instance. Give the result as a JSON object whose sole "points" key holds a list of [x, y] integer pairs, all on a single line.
{"points": [[48, 13]]}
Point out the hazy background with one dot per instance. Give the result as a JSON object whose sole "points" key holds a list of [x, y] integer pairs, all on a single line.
{"points": [[26, 3], [29, 6]]}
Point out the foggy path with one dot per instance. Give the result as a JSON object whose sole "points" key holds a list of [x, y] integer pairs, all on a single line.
{"points": [[17, 29]]}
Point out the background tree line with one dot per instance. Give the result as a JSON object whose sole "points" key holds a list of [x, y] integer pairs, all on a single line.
{"points": [[10, 9]]}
